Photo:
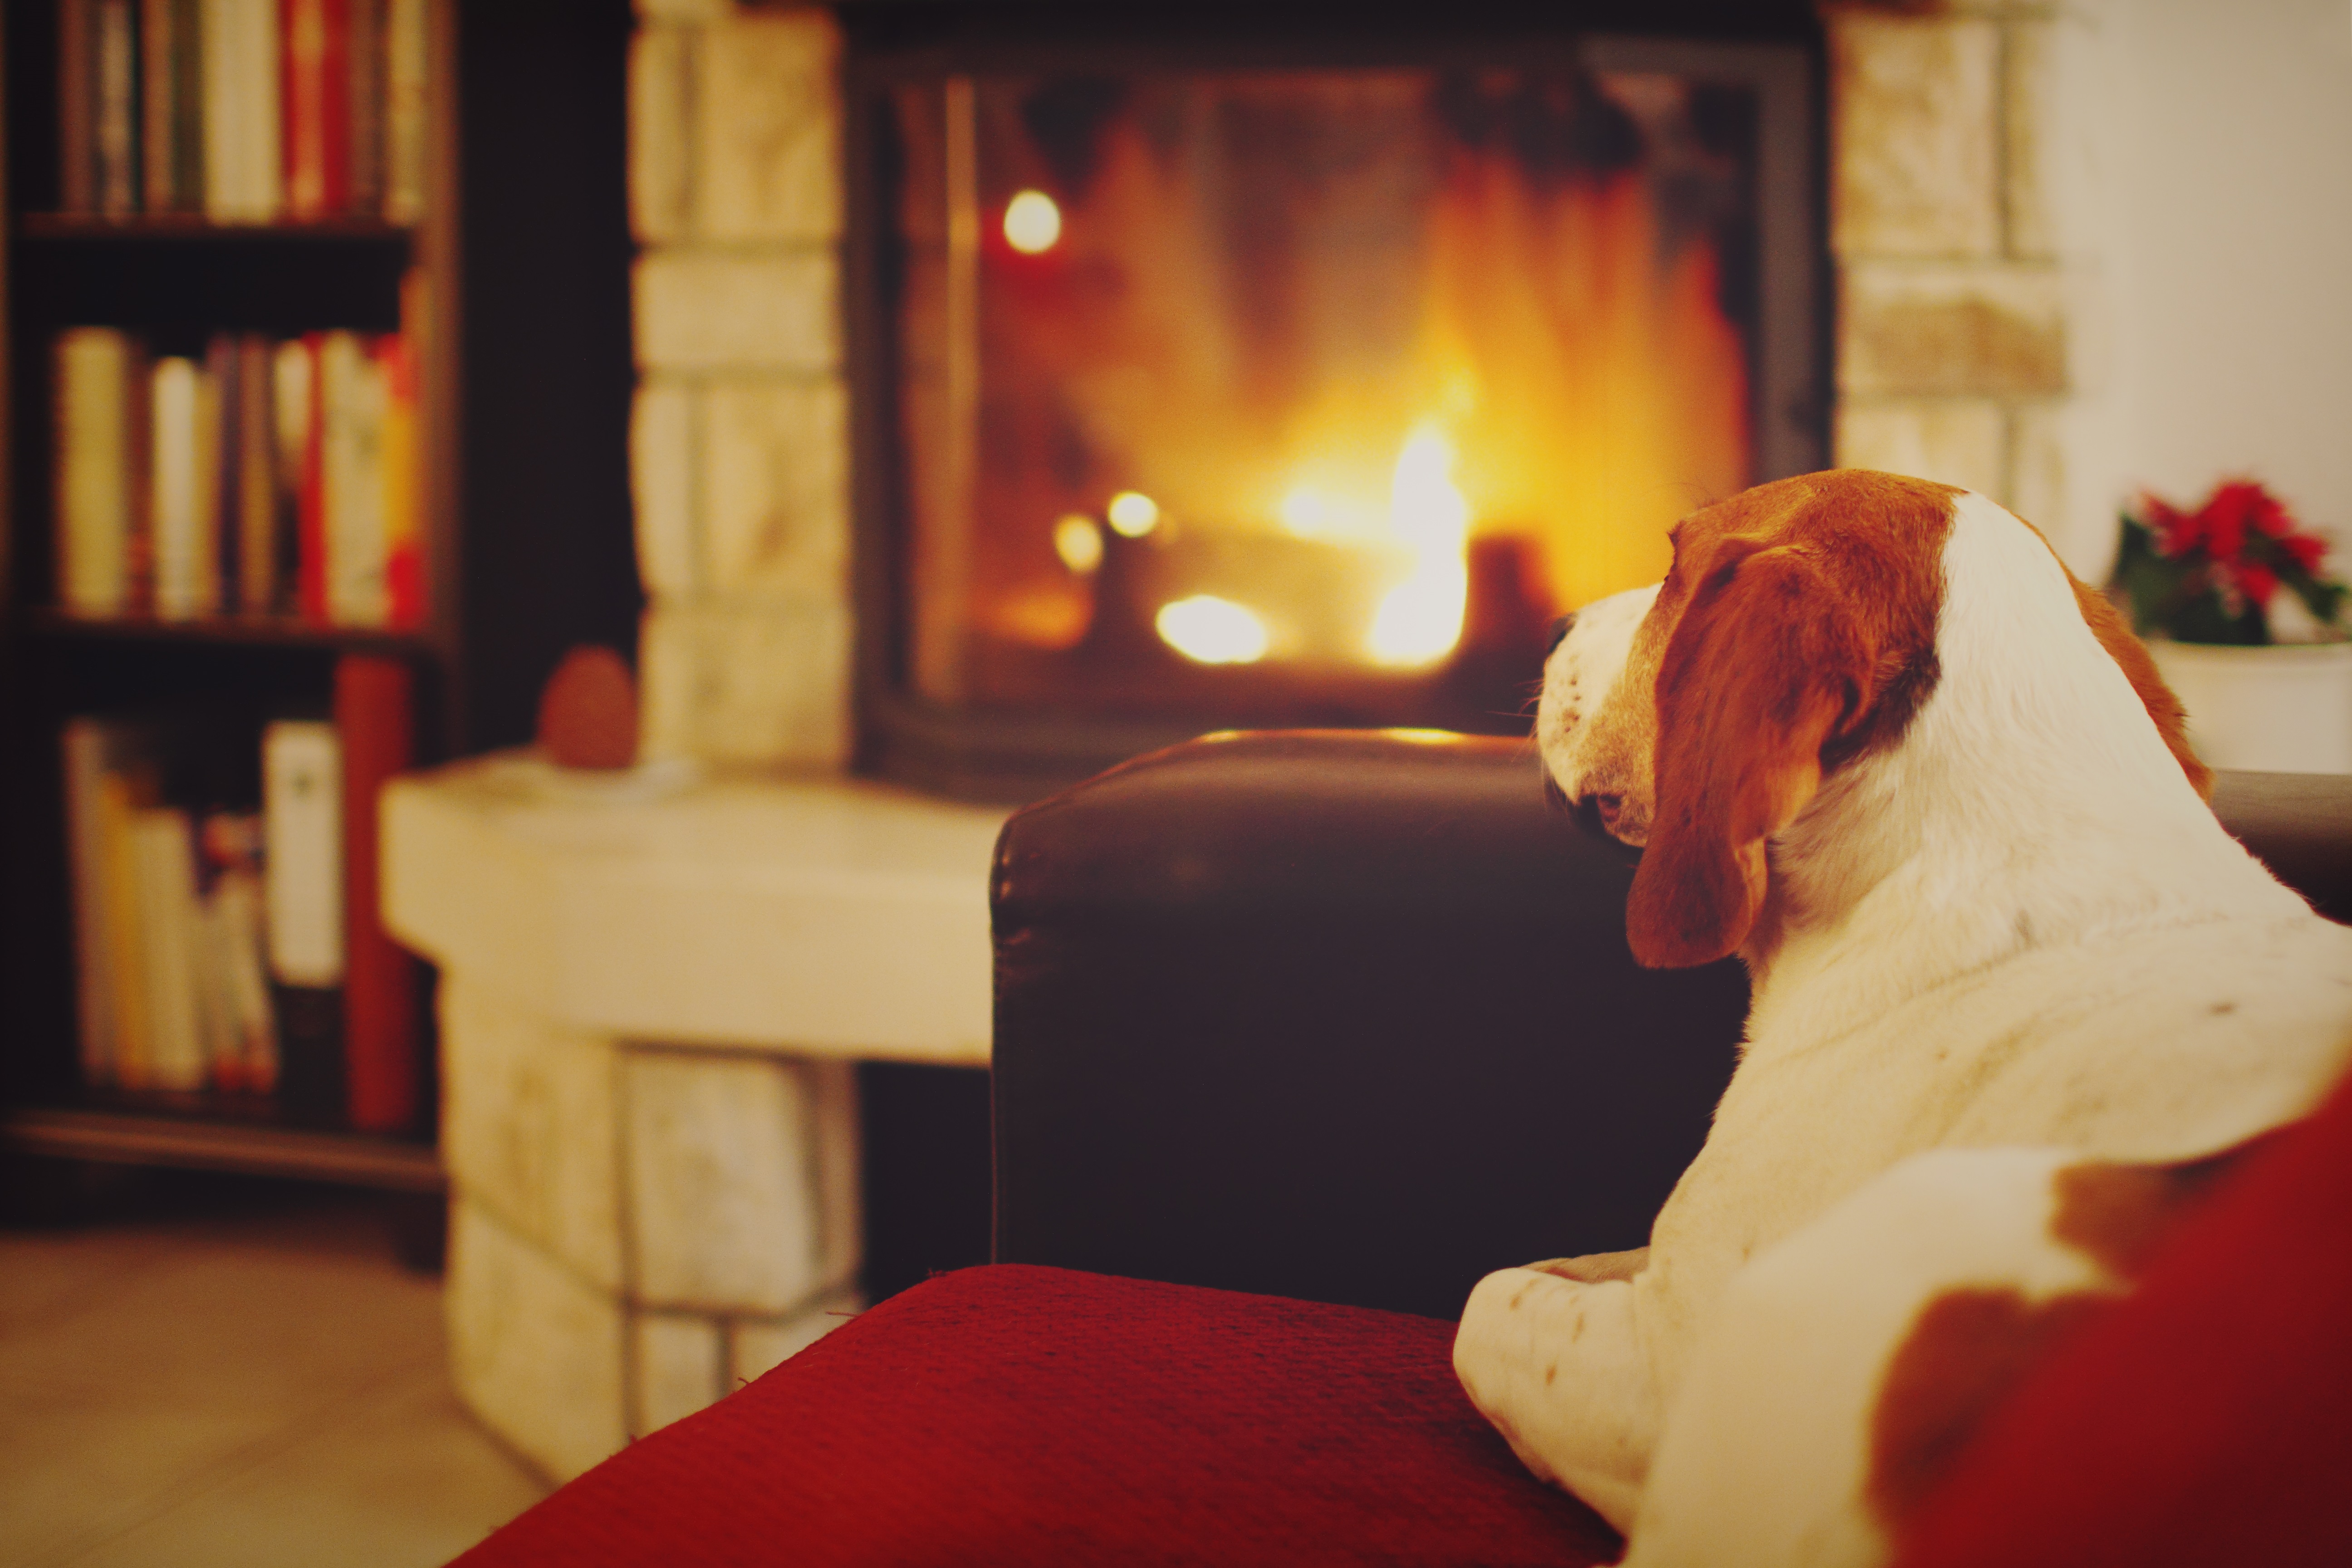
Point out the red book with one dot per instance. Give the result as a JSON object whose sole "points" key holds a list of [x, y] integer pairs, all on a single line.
{"points": [[375, 718], [316, 62], [310, 503]]}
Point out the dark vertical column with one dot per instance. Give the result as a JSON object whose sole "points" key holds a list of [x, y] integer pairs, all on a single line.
{"points": [[544, 318]]}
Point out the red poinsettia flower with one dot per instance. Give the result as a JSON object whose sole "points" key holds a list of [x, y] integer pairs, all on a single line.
{"points": [[2257, 583]]}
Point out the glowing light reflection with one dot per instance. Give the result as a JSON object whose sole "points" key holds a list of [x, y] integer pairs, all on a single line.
{"points": [[1078, 542], [1132, 514], [1033, 224]]}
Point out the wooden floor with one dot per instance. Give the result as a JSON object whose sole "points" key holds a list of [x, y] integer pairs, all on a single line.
{"points": [[257, 1387]]}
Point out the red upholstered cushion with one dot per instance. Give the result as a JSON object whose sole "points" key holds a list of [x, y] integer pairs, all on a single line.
{"points": [[2207, 1420], [1017, 1415]]}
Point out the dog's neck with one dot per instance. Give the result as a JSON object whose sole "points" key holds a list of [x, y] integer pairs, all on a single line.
{"points": [[2031, 805]]}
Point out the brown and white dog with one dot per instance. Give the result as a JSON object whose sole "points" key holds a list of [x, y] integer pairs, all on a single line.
{"points": [[2010, 976]]}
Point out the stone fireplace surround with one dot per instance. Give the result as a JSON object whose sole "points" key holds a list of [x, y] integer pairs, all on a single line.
{"points": [[650, 999]]}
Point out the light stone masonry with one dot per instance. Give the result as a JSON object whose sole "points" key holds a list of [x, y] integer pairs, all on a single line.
{"points": [[775, 464], [1960, 336], [768, 130], [731, 309]]}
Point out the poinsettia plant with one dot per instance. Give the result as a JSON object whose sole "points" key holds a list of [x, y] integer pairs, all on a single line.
{"points": [[2212, 576]]}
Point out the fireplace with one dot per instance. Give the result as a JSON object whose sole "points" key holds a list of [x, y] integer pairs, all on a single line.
{"points": [[1263, 374]]}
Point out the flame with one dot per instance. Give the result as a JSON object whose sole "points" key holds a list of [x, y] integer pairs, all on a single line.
{"points": [[1210, 630], [1420, 619]]}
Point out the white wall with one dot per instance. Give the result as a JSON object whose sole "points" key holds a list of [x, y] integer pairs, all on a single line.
{"points": [[2227, 154]]}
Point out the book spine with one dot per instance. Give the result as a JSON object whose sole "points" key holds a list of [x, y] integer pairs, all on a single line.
{"points": [[303, 854], [115, 107], [86, 748], [335, 107], [157, 79], [256, 478], [374, 716], [187, 108], [402, 524], [96, 466], [312, 542], [184, 587], [292, 368], [166, 862], [404, 117], [133, 1028], [364, 58], [237, 903], [77, 108], [228, 114], [225, 470], [303, 41], [351, 466]]}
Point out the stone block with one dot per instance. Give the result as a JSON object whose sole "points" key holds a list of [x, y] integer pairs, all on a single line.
{"points": [[1916, 135], [703, 311], [759, 1345], [1954, 441], [682, 1362], [1982, 331], [686, 11], [529, 1125], [534, 1350], [2037, 469], [2029, 123], [661, 165], [662, 478], [832, 1111], [756, 682], [726, 1199], [767, 129], [775, 466]]}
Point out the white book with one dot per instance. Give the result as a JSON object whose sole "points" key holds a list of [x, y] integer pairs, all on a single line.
{"points": [[352, 402], [166, 859], [97, 469], [240, 111], [303, 854], [184, 499]]}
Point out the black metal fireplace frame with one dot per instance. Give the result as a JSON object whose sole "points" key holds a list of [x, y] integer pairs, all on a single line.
{"points": [[1010, 755]]}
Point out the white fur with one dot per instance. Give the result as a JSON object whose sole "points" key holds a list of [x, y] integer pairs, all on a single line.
{"points": [[2019, 926]]}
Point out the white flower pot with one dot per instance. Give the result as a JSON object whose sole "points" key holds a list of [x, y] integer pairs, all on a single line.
{"points": [[2283, 709]]}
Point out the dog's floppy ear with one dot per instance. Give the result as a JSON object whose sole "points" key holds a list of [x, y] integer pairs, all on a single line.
{"points": [[1764, 667]]}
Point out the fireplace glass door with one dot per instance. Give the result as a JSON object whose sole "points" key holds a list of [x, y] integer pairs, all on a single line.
{"points": [[1281, 396]]}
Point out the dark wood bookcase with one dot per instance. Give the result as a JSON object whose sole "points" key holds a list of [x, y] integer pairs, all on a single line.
{"points": [[524, 512]]}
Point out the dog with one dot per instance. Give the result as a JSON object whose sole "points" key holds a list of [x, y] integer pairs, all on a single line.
{"points": [[2016, 996]]}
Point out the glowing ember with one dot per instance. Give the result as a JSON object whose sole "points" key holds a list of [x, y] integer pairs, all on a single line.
{"points": [[1033, 224], [1210, 630], [1078, 542]]}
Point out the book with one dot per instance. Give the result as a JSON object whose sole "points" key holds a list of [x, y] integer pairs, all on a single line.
{"points": [[301, 811], [114, 107], [164, 852], [351, 399], [171, 147], [100, 500], [183, 495], [374, 722], [89, 750], [241, 110], [315, 53], [77, 115], [363, 106], [244, 1030], [404, 117], [404, 546], [258, 552]]}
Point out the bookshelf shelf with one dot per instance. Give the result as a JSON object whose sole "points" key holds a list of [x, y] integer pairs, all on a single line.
{"points": [[177, 228], [235, 631], [189, 1132]]}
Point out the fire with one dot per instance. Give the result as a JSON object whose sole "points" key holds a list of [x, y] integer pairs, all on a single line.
{"points": [[1210, 630], [1420, 619]]}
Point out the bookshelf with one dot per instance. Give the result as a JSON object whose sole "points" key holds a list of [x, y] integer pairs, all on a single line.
{"points": [[522, 247], [173, 282]]}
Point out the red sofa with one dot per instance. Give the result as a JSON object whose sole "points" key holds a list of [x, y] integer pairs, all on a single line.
{"points": [[1297, 1034]]}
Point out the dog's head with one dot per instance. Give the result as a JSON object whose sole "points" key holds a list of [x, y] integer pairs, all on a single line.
{"points": [[1795, 634]]}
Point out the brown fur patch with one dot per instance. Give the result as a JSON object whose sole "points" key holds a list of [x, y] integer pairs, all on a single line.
{"points": [[2118, 1215], [1796, 631], [1965, 1352]]}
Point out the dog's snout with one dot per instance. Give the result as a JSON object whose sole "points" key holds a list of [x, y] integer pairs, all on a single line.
{"points": [[1560, 630], [1607, 806]]}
